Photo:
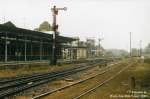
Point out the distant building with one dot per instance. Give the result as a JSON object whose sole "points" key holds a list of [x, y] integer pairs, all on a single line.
{"points": [[94, 50], [81, 50], [76, 50]]}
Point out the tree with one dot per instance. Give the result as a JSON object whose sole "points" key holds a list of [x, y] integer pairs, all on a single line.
{"points": [[45, 26]]}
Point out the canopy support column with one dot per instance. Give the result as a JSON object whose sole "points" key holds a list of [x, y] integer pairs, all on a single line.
{"points": [[6, 48], [41, 49], [25, 49]]}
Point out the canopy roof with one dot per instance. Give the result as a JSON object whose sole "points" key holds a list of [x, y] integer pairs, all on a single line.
{"points": [[12, 30]]}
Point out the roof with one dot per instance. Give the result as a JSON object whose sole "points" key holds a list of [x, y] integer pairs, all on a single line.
{"points": [[9, 24], [68, 46], [12, 30]]}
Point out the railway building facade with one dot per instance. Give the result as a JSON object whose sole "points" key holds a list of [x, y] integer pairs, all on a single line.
{"points": [[17, 44]]}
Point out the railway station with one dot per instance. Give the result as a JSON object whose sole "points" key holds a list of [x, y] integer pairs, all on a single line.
{"points": [[97, 49], [22, 45], [25, 45]]}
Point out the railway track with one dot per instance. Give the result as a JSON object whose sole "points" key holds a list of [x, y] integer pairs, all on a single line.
{"points": [[100, 83], [16, 85], [77, 65], [81, 81], [8, 80]]}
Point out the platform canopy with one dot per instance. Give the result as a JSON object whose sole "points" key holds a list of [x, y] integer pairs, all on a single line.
{"points": [[13, 31]]}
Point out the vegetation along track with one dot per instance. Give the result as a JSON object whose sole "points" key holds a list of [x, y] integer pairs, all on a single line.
{"points": [[108, 68], [20, 84]]}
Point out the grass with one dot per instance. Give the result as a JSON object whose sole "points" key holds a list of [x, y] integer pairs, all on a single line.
{"points": [[31, 69]]}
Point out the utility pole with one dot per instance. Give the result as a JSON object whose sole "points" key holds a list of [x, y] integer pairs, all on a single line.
{"points": [[55, 34], [130, 45], [140, 48], [99, 41]]}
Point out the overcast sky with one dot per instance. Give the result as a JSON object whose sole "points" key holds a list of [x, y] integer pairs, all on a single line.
{"points": [[111, 20]]}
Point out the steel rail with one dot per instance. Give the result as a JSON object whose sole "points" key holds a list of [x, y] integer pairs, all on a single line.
{"points": [[7, 80], [27, 79], [108, 68], [24, 86], [101, 83]]}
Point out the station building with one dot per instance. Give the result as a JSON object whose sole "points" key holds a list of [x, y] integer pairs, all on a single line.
{"points": [[76, 51], [17, 44]]}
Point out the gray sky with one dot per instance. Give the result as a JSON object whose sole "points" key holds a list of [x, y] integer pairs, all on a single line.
{"points": [[108, 19]]}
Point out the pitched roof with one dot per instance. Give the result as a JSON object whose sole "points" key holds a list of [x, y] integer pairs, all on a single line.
{"points": [[9, 24]]}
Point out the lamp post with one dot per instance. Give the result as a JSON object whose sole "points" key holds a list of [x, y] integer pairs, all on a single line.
{"points": [[55, 34]]}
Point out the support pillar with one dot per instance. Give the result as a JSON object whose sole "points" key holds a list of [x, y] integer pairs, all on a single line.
{"points": [[17, 50], [71, 52], [64, 54], [6, 48], [70, 55], [41, 49], [31, 51], [25, 49]]}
